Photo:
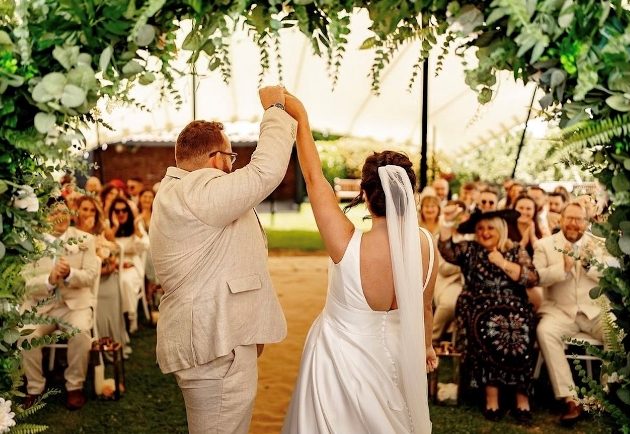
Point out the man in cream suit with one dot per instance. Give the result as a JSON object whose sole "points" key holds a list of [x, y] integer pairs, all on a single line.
{"points": [[69, 277], [567, 307], [210, 255]]}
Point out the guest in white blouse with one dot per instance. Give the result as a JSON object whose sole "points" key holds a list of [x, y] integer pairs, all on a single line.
{"points": [[134, 242]]}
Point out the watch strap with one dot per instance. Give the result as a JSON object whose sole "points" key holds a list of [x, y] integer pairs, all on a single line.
{"points": [[280, 106]]}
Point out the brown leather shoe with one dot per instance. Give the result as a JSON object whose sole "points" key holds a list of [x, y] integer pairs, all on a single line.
{"points": [[30, 400], [571, 414], [75, 399]]}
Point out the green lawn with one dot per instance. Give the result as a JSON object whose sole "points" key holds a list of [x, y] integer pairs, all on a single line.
{"points": [[294, 230]]}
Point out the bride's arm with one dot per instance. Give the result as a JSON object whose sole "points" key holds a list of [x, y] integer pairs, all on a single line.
{"points": [[334, 226]]}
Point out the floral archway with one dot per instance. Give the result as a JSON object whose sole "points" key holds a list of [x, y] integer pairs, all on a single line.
{"points": [[58, 58]]}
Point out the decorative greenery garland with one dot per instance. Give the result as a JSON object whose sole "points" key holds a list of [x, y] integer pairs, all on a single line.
{"points": [[58, 58]]}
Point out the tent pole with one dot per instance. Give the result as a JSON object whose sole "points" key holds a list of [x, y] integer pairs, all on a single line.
{"points": [[424, 166], [194, 95], [520, 145]]}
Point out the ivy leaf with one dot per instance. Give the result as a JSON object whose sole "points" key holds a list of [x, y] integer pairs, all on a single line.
{"points": [[44, 122], [623, 394]]}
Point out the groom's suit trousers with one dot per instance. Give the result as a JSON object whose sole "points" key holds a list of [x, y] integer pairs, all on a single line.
{"points": [[219, 395]]}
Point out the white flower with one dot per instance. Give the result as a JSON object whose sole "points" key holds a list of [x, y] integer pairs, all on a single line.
{"points": [[26, 199], [614, 378], [6, 416]]}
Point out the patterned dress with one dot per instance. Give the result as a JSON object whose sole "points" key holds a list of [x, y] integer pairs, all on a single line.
{"points": [[496, 322]]}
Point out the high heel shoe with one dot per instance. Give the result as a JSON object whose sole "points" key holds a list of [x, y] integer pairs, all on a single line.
{"points": [[492, 415], [523, 416]]}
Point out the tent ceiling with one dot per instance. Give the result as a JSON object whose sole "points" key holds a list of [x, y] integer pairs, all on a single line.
{"points": [[457, 122]]}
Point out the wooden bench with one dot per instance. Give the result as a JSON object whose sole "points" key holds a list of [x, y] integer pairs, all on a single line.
{"points": [[347, 189]]}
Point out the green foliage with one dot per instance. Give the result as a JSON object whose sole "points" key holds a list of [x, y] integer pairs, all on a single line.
{"points": [[58, 58]]}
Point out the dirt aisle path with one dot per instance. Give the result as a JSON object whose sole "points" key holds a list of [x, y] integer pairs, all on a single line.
{"points": [[300, 282]]}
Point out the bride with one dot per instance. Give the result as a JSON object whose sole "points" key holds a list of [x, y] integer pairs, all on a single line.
{"points": [[360, 369]]}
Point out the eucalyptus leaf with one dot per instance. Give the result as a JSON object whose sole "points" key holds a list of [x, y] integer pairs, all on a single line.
{"points": [[624, 243], [146, 78], [54, 83], [3, 250], [618, 102], [106, 57], [5, 39], [620, 182], [11, 336], [3, 187], [84, 59], [132, 68], [44, 122], [146, 35], [73, 96], [566, 19]]}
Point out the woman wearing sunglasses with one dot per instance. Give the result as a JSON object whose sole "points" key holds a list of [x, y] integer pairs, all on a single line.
{"points": [[134, 242]]}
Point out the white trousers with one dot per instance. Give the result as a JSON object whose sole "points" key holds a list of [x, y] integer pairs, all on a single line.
{"points": [[219, 395], [550, 332], [78, 349]]}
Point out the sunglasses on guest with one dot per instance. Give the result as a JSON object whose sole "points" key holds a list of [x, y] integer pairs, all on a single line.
{"points": [[121, 211], [488, 202]]}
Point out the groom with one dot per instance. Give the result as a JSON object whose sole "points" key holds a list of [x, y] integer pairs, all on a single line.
{"points": [[210, 255]]}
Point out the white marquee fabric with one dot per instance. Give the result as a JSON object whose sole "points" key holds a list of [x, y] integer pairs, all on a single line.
{"points": [[457, 122]]}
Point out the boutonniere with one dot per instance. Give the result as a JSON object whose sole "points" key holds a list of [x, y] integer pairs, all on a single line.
{"points": [[83, 248]]}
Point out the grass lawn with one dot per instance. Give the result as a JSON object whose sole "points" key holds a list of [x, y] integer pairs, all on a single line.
{"points": [[298, 230], [153, 404]]}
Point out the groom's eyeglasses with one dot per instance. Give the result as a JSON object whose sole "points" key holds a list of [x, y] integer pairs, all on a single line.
{"points": [[232, 155]]}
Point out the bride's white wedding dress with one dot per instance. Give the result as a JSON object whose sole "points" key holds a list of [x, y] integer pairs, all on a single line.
{"points": [[350, 375]]}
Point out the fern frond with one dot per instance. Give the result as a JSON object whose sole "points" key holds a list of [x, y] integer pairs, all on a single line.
{"points": [[28, 428], [596, 132]]}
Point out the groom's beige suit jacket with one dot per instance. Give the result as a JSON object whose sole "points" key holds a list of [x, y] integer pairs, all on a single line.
{"points": [[210, 254]]}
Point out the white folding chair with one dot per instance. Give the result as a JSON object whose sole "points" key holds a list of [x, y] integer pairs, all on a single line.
{"points": [[587, 358]]}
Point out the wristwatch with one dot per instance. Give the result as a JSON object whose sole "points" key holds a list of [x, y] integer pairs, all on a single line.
{"points": [[280, 106]]}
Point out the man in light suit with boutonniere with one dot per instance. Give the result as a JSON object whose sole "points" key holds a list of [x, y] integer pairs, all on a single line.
{"points": [[68, 277], [210, 255], [567, 307]]}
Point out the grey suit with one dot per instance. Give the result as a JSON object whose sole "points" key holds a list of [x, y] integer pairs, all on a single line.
{"points": [[210, 255]]}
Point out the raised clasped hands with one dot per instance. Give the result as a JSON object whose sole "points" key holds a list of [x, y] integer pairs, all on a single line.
{"points": [[270, 95], [451, 212]]}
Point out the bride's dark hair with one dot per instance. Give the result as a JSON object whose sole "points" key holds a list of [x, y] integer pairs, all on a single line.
{"points": [[371, 182]]}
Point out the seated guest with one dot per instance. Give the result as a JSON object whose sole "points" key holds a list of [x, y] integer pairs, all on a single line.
{"points": [[540, 198], [429, 212], [93, 186], [69, 276], [556, 203], [448, 286], [134, 241], [109, 317], [567, 307], [495, 321], [488, 200], [468, 194]]}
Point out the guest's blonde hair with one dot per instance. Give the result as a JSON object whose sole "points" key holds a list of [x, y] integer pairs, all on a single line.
{"points": [[501, 225]]}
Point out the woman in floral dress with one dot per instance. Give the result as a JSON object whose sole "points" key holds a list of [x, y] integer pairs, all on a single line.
{"points": [[496, 322]]}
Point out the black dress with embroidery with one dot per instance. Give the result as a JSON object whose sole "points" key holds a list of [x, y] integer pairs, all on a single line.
{"points": [[496, 322]]}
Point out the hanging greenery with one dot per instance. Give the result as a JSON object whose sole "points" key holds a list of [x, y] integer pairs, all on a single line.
{"points": [[58, 58]]}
